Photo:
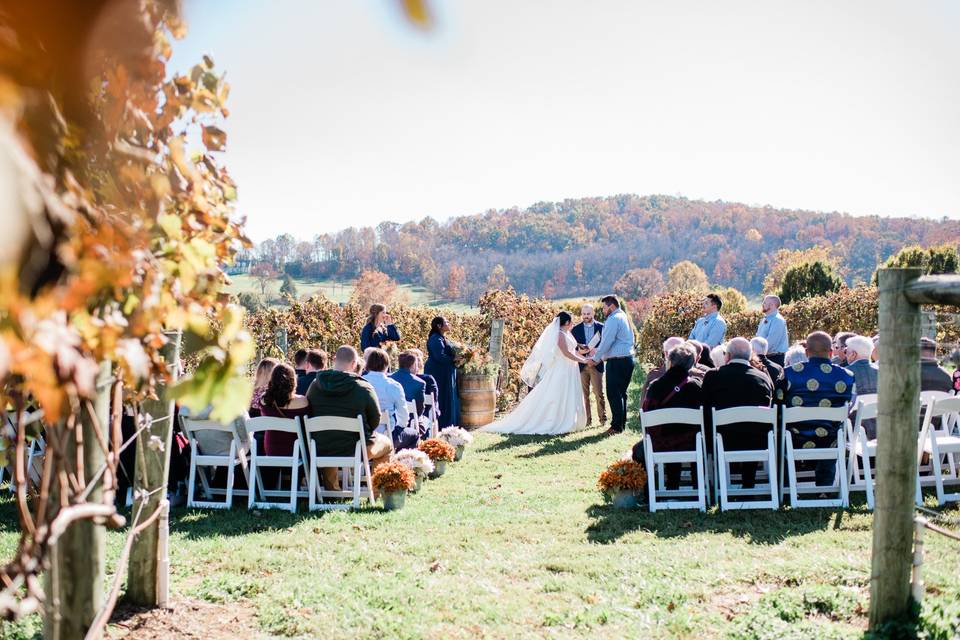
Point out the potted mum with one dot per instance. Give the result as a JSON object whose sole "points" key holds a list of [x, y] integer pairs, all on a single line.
{"points": [[457, 438], [440, 453], [392, 480], [418, 462], [622, 482]]}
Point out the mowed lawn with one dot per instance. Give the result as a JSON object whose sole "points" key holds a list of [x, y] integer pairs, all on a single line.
{"points": [[515, 541]]}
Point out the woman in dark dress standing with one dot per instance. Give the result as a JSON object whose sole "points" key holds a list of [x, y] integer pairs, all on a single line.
{"points": [[440, 365], [379, 329]]}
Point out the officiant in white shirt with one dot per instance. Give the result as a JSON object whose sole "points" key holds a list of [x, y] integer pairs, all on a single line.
{"points": [[587, 334]]}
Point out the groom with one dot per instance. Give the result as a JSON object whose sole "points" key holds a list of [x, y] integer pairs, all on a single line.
{"points": [[616, 351]]}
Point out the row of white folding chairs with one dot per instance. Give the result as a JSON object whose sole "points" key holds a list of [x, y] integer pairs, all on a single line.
{"points": [[940, 442], [242, 453], [713, 466]]}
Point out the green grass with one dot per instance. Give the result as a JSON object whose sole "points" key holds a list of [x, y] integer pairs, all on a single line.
{"points": [[515, 541]]}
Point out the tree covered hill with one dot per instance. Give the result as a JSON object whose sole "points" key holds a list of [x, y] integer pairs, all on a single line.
{"points": [[582, 246]]}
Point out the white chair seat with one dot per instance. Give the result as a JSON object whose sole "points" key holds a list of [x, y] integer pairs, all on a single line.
{"points": [[356, 467], [728, 492], [198, 431], [291, 462], [942, 447], [794, 455]]}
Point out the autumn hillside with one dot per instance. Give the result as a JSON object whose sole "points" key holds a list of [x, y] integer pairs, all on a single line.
{"points": [[565, 249]]}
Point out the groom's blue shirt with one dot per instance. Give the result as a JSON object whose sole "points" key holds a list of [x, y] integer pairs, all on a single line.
{"points": [[617, 338]]}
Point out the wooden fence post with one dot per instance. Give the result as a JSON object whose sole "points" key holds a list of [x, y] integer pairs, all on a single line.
{"points": [[899, 408], [145, 584], [81, 563]]}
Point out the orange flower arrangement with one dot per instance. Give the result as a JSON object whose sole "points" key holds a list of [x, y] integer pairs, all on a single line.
{"points": [[437, 449], [623, 475], [393, 476]]}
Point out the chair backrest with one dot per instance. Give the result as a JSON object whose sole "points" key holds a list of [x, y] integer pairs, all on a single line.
{"points": [[428, 400], [941, 406], [212, 437], [265, 423], [659, 417], [867, 407], [741, 415], [927, 396], [321, 424], [385, 418], [805, 414]]}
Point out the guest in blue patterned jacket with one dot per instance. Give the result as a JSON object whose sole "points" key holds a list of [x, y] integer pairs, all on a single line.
{"points": [[818, 383]]}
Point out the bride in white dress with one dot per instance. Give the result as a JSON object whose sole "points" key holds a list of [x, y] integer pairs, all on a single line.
{"points": [[555, 405]]}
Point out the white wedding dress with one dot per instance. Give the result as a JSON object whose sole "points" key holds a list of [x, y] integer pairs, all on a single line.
{"points": [[555, 404]]}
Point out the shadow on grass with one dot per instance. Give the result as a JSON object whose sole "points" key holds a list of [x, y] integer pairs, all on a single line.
{"points": [[551, 445], [757, 527], [565, 445]]}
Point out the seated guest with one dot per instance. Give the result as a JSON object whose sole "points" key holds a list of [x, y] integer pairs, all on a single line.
{"points": [[379, 329], [865, 373], [700, 368], [299, 361], [656, 373], [341, 392], [260, 382], [774, 370], [391, 398], [282, 401], [316, 361], [710, 328], [794, 355], [933, 377], [839, 345], [738, 384], [674, 389], [718, 355], [429, 381], [413, 386], [818, 383], [703, 358]]}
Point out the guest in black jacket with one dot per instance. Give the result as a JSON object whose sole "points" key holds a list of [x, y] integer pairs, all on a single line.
{"points": [[315, 362], [774, 370], [675, 389], [738, 384]]}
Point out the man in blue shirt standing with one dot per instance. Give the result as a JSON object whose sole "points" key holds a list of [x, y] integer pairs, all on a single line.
{"points": [[774, 328], [616, 352], [710, 328]]}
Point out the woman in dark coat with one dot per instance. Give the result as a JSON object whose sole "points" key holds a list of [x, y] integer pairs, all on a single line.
{"points": [[379, 329], [440, 365], [676, 389]]}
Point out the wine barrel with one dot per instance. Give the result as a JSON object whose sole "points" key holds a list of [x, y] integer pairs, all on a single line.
{"points": [[478, 400]]}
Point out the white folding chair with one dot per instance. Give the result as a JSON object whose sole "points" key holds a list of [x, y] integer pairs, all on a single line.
{"points": [[862, 448], [430, 412], [357, 465], [941, 445], [663, 498], [796, 487], [766, 457], [218, 437], [291, 462], [386, 427]]}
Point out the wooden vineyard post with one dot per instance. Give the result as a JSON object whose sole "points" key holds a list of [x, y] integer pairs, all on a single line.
{"points": [[147, 575], [282, 341], [75, 585], [496, 348], [898, 395]]}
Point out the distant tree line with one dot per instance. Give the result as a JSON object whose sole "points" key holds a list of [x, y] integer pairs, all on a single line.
{"points": [[584, 246]]}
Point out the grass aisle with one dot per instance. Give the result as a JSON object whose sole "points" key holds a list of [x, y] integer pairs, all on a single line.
{"points": [[514, 542]]}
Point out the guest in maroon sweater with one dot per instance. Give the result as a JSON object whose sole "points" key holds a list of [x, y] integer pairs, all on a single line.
{"points": [[281, 401]]}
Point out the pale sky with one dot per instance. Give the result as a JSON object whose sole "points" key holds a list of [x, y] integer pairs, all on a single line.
{"points": [[344, 115]]}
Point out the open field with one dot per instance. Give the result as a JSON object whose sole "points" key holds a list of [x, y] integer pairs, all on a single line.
{"points": [[338, 292], [515, 541]]}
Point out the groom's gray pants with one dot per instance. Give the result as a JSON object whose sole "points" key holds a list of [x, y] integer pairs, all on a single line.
{"points": [[591, 378]]}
